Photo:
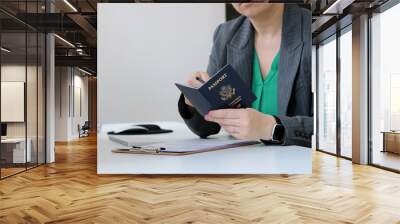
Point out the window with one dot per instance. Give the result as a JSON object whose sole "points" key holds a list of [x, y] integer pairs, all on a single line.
{"points": [[22, 77], [334, 106], [346, 94], [14, 150], [385, 89], [327, 96]]}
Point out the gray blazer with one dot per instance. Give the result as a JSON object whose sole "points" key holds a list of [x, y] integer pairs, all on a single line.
{"points": [[234, 44]]}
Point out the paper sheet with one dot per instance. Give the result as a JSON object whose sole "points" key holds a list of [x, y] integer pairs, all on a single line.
{"points": [[192, 145]]}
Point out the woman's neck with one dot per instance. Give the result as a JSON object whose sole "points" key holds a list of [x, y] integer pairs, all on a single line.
{"points": [[269, 23]]}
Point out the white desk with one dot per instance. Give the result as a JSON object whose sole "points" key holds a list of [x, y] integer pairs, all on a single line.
{"points": [[256, 159], [19, 154]]}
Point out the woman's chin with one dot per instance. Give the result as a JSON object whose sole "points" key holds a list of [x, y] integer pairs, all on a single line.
{"points": [[246, 6], [250, 9]]}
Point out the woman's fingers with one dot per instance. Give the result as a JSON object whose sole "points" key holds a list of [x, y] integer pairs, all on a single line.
{"points": [[203, 75], [194, 82], [226, 121], [233, 130], [225, 113], [187, 102]]}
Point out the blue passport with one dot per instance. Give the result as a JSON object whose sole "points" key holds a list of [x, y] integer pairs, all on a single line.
{"points": [[224, 90]]}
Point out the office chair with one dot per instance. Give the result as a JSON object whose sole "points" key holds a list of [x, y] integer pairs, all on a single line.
{"points": [[84, 130]]}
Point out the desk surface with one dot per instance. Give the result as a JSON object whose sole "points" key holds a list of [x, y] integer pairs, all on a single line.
{"points": [[391, 132], [14, 140], [255, 159]]}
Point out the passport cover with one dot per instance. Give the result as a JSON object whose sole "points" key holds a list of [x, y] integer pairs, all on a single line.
{"points": [[224, 90]]}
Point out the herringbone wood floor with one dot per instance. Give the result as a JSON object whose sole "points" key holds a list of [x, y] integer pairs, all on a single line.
{"points": [[69, 191]]}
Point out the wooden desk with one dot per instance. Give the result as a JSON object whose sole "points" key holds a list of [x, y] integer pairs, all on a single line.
{"points": [[255, 159], [391, 141]]}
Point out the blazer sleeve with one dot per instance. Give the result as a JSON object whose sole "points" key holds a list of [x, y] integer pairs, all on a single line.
{"points": [[299, 126], [193, 119], [298, 130]]}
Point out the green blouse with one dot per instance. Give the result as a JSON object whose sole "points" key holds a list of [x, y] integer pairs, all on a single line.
{"points": [[266, 90]]}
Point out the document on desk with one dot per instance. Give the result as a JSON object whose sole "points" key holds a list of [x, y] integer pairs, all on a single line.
{"points": [[187, 146], [131, 140]]}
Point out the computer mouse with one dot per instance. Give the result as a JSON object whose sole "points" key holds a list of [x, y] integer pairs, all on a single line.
{"points": [[130, 130], [140, 129]]}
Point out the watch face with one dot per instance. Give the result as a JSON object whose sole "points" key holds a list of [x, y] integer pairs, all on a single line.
{"points": [[279, 133]]}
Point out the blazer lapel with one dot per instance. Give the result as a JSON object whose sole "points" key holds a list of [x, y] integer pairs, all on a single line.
{"points": [[291, 48], [240, 51]]}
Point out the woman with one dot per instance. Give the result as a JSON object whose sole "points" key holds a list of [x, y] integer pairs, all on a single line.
{"points": [[270, 48]]}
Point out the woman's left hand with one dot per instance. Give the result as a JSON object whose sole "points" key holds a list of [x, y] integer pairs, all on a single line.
{"points": [[244, 123]]}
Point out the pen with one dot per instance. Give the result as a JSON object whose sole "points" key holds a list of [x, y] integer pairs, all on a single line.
{"points": [[200, 80], [138, 148]]}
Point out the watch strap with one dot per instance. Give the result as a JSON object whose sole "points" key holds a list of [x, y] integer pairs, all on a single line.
{"points": [[274, 141]]}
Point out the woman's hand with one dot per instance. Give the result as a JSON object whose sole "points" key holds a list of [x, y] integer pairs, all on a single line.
{"points": [[244, 123], [193, 82]]}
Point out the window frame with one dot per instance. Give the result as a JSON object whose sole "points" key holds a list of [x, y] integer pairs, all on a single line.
{"points": [[378, 10], [27, 29], [333, 37]]}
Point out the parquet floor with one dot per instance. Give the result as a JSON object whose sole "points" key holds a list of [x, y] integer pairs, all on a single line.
{"points": [[69, 191], [10, 171]]}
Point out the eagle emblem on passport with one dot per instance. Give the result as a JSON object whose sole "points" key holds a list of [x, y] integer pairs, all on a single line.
{"points": [[227, 92]]}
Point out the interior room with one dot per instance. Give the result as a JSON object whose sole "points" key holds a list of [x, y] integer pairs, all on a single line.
{"points": [[22, 103], [75, 72]]}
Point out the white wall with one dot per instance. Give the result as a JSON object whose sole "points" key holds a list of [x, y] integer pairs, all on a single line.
{"points": [[13, 101], [61, 103], [67, 116], [79, 117], [33, 126], [143, 49], [18, 73]]}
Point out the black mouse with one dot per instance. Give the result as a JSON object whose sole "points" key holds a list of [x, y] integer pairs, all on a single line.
{"points": [[141, 129]]}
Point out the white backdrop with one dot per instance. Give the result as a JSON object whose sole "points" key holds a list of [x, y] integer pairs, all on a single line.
{"points": [[12, 101], [143, 49]]}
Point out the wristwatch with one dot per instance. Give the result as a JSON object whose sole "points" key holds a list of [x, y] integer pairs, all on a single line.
{"points": [[278, 131]]}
